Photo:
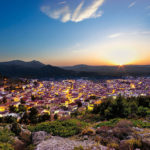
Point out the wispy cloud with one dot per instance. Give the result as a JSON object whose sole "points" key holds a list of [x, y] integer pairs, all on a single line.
{"points": [[62, 14], [62, 2], [115, 35], [89, 12], [80, 13], [132, 4]]}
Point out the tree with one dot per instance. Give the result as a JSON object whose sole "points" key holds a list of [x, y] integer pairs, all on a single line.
{"points": [[22, 101], [79, 103], [33, 115], [10, 119], [25, 118], [16, 128], [33, 97], [4, 100], [44, 117], [12, 109], [56, 116], [22, 108], [142, 111]]}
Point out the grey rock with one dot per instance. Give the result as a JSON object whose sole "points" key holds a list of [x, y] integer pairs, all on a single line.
{"points": [[40, 136], [58, 143]]}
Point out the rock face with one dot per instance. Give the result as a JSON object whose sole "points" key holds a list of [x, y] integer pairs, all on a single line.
{"points": [[58, 143], [146, 142], [25, 135], [38, 137], [18, 144]]}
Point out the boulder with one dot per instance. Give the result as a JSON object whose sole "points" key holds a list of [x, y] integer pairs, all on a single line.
{"points": [[38, 137]]}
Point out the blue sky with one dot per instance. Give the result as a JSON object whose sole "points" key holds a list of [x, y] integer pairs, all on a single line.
{"points": [[69, 32]]}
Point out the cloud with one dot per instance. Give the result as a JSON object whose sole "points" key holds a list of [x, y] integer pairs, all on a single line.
{"points": [[132, 4], [63, 14], [89, 12], [115, 35], [77, 14], [62, 2]]}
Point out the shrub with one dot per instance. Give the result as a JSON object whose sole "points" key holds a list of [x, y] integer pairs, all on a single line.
{"points": [[122, 129], [124, 124], [6, 146], [110, 123], [16, 128], [103, 131], [6, 140], [121, 133], [30, 147], [61, 128], [79, 148], [97, 139], [134, 143], [113, 145], [88, 131], [142, 111], [5, 136], [140, 123]]}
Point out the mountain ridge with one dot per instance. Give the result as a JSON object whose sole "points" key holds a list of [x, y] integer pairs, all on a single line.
{"points": [[36, 69]]}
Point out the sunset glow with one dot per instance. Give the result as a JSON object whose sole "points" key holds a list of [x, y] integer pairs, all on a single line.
{"points": [[121, 57], [62, 33]]}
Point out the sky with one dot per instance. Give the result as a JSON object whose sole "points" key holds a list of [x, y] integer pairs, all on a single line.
{"points": [[71, 32]]}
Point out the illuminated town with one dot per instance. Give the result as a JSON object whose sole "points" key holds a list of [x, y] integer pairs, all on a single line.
{"points": [[64, 97]]}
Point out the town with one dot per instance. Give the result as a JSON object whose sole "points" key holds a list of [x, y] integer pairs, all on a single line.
{"points": [[64, 97]]}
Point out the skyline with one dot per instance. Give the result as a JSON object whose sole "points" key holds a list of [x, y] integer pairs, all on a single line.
{"points": [[64, 33]]}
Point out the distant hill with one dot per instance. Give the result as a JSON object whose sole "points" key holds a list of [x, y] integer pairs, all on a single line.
{"points": [[133, 70], [31, 64], [32, 69], [36, 69]]}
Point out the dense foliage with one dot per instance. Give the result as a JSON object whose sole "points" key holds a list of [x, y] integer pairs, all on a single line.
{"points": [[61, 128], [123, 107], [113, 122], [6, 140]]}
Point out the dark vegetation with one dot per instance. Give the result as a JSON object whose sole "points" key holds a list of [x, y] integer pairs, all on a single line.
{"points": [[6, 139], [61, 128], [113, 71], [134, 107], [35, 69]]}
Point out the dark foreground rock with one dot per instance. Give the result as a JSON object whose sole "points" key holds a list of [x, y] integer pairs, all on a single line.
{"points": [[18, 144]]}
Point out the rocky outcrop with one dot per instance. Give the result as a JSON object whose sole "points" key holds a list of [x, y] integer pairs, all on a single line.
{"points": [[25, 135], [58, 143], [18, 144], [40, 136]]}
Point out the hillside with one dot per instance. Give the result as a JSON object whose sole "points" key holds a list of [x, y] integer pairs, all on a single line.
{"points": [[32, 69], [36, 69], [127, 70]]}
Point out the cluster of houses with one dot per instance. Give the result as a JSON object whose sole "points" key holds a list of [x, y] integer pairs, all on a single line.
{"points": [[66, 96]]}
